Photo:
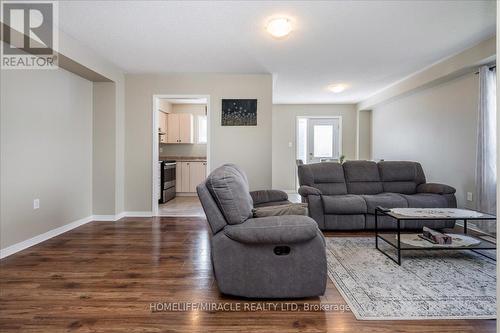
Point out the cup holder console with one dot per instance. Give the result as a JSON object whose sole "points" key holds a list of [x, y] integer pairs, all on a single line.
{"points": [[282, 250]]}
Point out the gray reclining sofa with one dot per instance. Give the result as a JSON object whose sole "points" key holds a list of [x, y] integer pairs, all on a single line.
{"points": [[344, 196], [268, 257]]}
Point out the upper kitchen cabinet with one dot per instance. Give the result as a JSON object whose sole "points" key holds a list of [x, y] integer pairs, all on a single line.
{"points": [[162, 126], [180, 128], [164, 106]]}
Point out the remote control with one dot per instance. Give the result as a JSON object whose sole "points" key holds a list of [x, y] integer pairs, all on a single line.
{"points": [[383, 209]]}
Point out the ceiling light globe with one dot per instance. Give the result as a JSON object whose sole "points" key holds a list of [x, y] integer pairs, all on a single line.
{"points": [[337, 88], [279, 27]]}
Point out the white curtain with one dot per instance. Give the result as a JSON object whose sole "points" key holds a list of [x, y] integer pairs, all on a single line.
{"points": [[486, 146]]}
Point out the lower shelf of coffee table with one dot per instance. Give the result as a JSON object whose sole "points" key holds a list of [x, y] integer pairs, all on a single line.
{"points": [[392, 239]]}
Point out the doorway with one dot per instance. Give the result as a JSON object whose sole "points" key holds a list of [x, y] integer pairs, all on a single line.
{"points": [[319, 139], [181, 154]]}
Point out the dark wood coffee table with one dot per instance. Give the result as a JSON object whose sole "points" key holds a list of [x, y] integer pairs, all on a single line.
{"points": [[394, 238]]}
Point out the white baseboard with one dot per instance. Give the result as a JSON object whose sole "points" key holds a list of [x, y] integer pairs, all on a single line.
{"points": [[105, 218], [119, 216], [67, 227], [43, 237], [138, 214]]}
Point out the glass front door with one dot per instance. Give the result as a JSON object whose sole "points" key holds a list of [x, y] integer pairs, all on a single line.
{"points": [[323, 136]]}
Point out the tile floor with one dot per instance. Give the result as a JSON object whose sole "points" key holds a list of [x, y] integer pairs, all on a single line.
{"points": [[191, 206], [182, 206]]}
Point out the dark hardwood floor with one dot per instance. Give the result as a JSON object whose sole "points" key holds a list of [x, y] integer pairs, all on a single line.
{"points": [[103, 277]]}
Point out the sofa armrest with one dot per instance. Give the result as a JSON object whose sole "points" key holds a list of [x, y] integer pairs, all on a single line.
{"points": [[284, 229], [265, 196], [278, 210], [435, 188], [306, 191]]}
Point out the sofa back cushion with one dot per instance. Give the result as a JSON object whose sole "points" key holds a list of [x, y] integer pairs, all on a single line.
{"points": [[228, 186], [362, 177], [401, 176], [214, 215], [328, 177]]}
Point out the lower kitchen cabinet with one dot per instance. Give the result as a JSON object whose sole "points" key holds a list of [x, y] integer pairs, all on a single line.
{"points": [[189, 174]]}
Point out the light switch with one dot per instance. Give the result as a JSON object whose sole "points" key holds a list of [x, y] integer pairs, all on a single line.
{"points": [[469, 196], [36, 203], [290, 144]]}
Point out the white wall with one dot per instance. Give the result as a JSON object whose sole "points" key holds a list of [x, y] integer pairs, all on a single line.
{"points": [[247, 146], [437, 127], [444, 70], [46, 151], [283, 133]]}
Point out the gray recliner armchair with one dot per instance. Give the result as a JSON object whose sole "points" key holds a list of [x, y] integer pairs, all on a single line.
{"points": [[268, 257]]}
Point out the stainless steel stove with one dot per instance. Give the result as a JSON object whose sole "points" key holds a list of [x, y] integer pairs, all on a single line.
{"points": [[167, 181]]}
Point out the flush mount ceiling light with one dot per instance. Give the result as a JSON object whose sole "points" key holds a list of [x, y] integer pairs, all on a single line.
{"points": [[279, 27], [337, 88]]}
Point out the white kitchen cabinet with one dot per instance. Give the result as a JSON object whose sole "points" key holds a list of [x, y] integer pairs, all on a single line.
{"points": [[185, 172], [197, 173], [164, 106], [189, 175], [173, 128], [180, 128], [186, 131], [162, 126], [178, 178]]}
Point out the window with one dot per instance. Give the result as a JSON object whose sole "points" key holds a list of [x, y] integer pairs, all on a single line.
{"points": [[323, 141], [202, 129]]}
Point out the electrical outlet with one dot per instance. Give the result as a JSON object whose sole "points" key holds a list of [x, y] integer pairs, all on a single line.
{"points": [[469, 196], [161, 150], [36, 203], [290, 144]]}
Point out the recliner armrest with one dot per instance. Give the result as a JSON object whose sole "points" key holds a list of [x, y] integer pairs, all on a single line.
{"points": [[265, 196], [284, 229], [305, 191], [435, 188]]}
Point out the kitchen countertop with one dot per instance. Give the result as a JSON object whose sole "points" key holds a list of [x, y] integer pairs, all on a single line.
{"points": [[184, 158]]}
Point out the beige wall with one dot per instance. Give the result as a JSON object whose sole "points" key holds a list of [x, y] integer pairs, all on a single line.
{"points": [[247, 146], [46, 151], [437, 127], [74, 50], [365, 135], [104, 146], [195, 149], [283, 133]]}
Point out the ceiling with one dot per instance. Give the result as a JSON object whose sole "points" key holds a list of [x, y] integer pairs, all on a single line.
{"points": [[365, 44]]}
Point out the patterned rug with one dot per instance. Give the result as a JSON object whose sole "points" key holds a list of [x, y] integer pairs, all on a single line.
{"points": [[428, 285]]}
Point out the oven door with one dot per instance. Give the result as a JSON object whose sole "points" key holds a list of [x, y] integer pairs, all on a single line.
{"points": [[169, 176]]}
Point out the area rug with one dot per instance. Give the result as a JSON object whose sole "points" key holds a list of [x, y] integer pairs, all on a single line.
{"points": [[428, 285]]}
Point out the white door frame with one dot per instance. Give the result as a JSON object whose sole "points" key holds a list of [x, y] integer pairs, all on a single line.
{"points": [[156, 143]]}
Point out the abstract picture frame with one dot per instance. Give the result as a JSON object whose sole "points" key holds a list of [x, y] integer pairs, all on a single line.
{"points": [[239, 112]]}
